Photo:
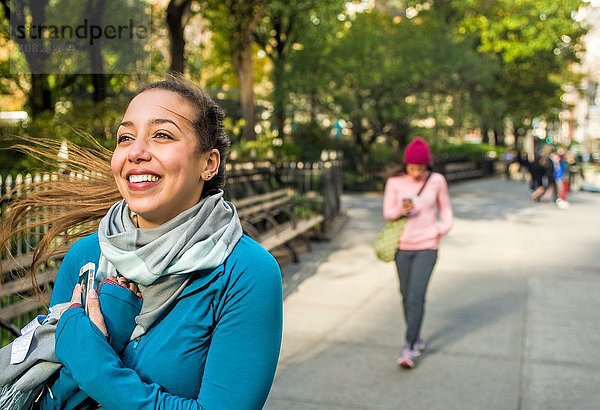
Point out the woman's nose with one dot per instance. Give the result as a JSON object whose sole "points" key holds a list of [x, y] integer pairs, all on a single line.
{"points": [[138, 151]]}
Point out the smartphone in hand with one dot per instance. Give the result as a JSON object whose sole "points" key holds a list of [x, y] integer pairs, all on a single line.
{"points": [[86, 280]]}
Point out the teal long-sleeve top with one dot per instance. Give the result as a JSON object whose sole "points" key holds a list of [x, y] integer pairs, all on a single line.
{"points": [[216, 347]]}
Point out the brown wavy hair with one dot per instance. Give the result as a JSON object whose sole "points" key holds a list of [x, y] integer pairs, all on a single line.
{"points": [[71, 203]]}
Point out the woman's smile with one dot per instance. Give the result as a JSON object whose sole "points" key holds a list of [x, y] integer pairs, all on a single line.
{"points": [[140, 180]]}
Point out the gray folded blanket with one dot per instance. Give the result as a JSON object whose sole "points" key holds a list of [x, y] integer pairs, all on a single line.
{"points": [[21, 383]]}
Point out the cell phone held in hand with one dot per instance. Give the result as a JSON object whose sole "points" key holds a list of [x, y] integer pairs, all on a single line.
{"points": [[86, 280]]}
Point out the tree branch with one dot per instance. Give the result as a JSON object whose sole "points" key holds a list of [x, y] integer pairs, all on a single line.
{"points": [[6, 8]]}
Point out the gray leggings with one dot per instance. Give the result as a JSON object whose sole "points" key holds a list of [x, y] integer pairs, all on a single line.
{"points": [[414, 271]]}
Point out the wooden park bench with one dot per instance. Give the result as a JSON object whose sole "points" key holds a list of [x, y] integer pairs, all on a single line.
{"points": [[455, 171], [266, 211], [18, 302], [269, 219]]}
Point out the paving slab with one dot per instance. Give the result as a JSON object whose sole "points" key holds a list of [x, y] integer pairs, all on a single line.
{"points": [[561, 386]]}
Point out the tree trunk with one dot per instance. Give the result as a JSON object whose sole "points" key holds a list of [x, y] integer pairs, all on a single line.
{"points": [[279, 100], [519, 132], [40, 95], [245, 15], [99, 83], [95, 11], [357, 134], [485, 134], [243, 65], [176, 10], [312, 114], [498, 136]]}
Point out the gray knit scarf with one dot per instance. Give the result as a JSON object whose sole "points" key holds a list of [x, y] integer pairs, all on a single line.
{"points": [[158, 259], [199, 238]]}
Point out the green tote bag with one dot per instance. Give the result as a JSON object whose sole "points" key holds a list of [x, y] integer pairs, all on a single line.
{"points": [[386, 244]]}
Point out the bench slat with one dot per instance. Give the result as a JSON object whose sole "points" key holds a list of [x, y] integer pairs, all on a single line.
{"points": [[23, 306], [241, 203], [244, 213], [286, 235], [24, 261], [23, 284]]}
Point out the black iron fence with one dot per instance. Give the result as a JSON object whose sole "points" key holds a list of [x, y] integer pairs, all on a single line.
{"points": [[318, 182], [374, 179]]}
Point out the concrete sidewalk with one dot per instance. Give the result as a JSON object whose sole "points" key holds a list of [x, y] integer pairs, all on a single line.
{"points": [[512, 318]]}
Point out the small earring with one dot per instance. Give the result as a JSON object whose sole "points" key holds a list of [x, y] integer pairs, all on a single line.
{"points": [[207, 177]]}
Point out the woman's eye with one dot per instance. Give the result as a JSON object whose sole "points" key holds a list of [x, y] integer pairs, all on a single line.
{"points": [[124, 137], [163, 135]]}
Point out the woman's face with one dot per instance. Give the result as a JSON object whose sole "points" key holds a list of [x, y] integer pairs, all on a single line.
{"points": [[156, 163], [417, 171]]}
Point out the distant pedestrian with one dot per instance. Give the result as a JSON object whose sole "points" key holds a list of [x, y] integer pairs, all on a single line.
{"points": [[509, 159], [545, 183], [561, 176], [536, 171], [418, 246], [575, 171], [524, 164]]}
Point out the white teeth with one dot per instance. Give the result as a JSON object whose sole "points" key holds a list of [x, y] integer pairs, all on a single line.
{"points": [[143, 178]]}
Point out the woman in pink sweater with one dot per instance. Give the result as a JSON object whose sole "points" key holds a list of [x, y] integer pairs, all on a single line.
{"points": [[429, 218]]}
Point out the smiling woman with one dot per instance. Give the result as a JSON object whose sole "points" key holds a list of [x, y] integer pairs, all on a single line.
{"points": [[186, 310], [158, 164]]}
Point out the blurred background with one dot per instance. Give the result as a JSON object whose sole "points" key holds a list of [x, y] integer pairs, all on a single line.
{"points": [[482, 81], [321, 97]]}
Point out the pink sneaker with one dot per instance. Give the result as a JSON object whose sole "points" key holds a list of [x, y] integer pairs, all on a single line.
{"points": [[418, 347], [407, 358]]}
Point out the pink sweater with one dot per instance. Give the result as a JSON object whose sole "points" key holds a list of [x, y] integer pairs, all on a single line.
{"points": [[423, 229]]}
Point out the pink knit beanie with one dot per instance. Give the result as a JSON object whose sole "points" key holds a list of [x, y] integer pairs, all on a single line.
{"points": [[417, 152]]}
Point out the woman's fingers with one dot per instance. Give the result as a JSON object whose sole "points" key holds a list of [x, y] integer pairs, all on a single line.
{"points": [[76, 296], [95, 313], [125, 283], [93, 305], [132, 286]]}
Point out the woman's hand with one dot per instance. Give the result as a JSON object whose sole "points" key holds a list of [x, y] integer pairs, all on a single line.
{"points": [[93, 307], [407, 206], [122, 282]]}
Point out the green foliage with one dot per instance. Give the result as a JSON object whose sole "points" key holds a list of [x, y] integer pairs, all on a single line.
{"points": [[281, 34], [311, 139], [534, 43], [99, 120], [121, 54], [305, 207], [266, 146], [457, 64], [381, 156], [70, 122], [448, 152], [381, 74]]}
